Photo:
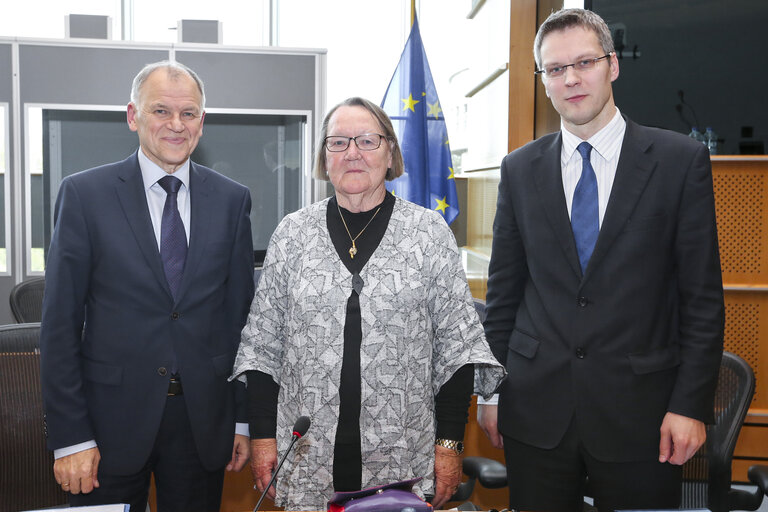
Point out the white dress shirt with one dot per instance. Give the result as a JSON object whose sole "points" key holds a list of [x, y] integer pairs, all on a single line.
{"points": [[150, 174], [606, 148]]}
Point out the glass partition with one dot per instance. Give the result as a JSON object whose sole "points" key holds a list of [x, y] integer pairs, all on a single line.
{"points": [[266, 151]]}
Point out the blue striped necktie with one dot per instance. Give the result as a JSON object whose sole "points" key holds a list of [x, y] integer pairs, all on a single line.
{"points": [[173, 238], [585, 220]]}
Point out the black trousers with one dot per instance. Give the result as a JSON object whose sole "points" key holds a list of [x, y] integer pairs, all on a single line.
{"points": [[556, 480], [182, 483]]}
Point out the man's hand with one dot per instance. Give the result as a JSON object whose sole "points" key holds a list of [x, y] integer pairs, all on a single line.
{"points": [[77, 473], [241, 452], [447, 475], [680, 438], [263, 463], [487, 418]]}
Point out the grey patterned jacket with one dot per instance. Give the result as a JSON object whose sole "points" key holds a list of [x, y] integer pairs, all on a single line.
{"points": [[419, 326]]}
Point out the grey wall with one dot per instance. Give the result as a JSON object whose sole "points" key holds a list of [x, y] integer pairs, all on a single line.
{"points": [[6, 77], [713, 50], [6, 96], [80, 75], [267, 81]]}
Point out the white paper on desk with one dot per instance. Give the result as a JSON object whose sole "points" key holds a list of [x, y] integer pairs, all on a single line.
{"points": [[118, 507]]}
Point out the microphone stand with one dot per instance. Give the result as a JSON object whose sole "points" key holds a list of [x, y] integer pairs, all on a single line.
{"points": [[297, 433]]}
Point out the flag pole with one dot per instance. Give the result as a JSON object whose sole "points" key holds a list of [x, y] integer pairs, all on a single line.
{"points": [[413, 11]]}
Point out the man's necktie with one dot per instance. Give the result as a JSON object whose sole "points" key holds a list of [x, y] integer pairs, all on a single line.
{"points": [[173, 238], [585, 220]]}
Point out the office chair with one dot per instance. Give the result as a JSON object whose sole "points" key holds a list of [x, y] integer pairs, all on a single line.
{"points": [[707, 476], [26, 466], [27, 300]]}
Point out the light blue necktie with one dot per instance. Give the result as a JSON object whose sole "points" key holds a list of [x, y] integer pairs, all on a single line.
{"points": [[585, 220], [173, 237]]}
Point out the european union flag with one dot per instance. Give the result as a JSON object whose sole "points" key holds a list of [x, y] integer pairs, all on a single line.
{"points": [[411, 102]]}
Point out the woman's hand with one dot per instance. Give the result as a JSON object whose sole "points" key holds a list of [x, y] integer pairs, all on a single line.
{"points": [[447, 475], [263, 463]]}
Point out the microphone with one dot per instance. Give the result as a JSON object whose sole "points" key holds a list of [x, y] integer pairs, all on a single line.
{"points": [[681, 95], [686, 122], [299, 429]]}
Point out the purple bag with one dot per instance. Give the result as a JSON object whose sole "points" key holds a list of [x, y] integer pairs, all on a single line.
{"points": [[385, 498]]}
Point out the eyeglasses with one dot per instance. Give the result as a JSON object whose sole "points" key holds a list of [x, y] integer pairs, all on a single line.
{"points": [[365, 142], [582, 65]]}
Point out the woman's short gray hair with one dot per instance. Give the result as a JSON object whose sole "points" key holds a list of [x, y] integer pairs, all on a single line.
{"points": [[174, 70], [320, 171]]}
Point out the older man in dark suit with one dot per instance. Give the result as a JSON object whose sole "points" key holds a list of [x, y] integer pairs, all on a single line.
{"points": [[605, 298], [148, 283]]}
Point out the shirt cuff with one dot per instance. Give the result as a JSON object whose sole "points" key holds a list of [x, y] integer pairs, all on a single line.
{"points": [[70, 450], [242, 429], [494, 400]]}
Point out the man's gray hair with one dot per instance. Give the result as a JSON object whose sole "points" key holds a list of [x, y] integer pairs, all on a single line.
{"points": [[567, 18], [174, 69]]}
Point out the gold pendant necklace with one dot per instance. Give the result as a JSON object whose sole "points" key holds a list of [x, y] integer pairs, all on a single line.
{"points": [[353, 249]]}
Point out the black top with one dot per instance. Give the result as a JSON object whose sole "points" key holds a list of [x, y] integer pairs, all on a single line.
{"points": [[452, 402]]}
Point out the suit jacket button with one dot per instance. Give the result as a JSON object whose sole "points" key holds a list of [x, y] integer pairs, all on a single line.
{"points": [[580, 353], [175, 315], [162, 371], [583, 302]]}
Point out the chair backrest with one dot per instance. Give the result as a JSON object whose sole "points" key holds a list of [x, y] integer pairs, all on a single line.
{"points": [[707, 476], [27, 300], [26, 466]]}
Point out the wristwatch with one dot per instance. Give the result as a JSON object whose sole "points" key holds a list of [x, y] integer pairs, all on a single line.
{"points": [[456, 446]]}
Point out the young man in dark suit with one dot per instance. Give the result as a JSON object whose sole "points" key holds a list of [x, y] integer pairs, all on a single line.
{"points": [[605, 298], [148, 283]]}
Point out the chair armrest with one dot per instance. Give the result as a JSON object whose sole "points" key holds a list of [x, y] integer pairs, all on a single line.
{"points": [[758, 475], [490, 473]]}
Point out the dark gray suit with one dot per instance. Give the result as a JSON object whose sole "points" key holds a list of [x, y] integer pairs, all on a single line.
{"points": [[111, 326], [640, 333]]}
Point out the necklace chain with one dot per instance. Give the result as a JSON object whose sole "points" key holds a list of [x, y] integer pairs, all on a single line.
{"points": [[353, 249]]}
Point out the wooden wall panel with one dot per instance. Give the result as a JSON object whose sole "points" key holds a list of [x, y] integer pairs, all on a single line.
{"points": [[741, 198], [741, 194]]}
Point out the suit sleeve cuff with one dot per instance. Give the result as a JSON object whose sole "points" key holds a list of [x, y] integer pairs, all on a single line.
{"points": [[70, 450], [494, 400], [242, 429]]}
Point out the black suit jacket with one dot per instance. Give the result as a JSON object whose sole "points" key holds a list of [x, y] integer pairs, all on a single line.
{"points": [[110, 325], [640, 332]]}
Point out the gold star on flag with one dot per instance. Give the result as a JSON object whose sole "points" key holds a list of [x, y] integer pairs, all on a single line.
{"points": [[450, 176], [409, 103], [434, 109], [441, 205]]}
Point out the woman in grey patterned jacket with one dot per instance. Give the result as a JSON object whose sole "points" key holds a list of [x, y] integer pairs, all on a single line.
{"points": [[364, 322]]}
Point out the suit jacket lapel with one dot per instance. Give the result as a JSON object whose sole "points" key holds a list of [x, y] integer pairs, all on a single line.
{"points": [[200, 216], [634, 169], [133, 199], [548, 178]]}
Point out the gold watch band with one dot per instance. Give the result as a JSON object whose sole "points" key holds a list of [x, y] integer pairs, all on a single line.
{"points": [[456, 446]]}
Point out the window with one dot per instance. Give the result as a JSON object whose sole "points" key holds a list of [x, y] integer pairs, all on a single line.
{"points": [[264, 151]]}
